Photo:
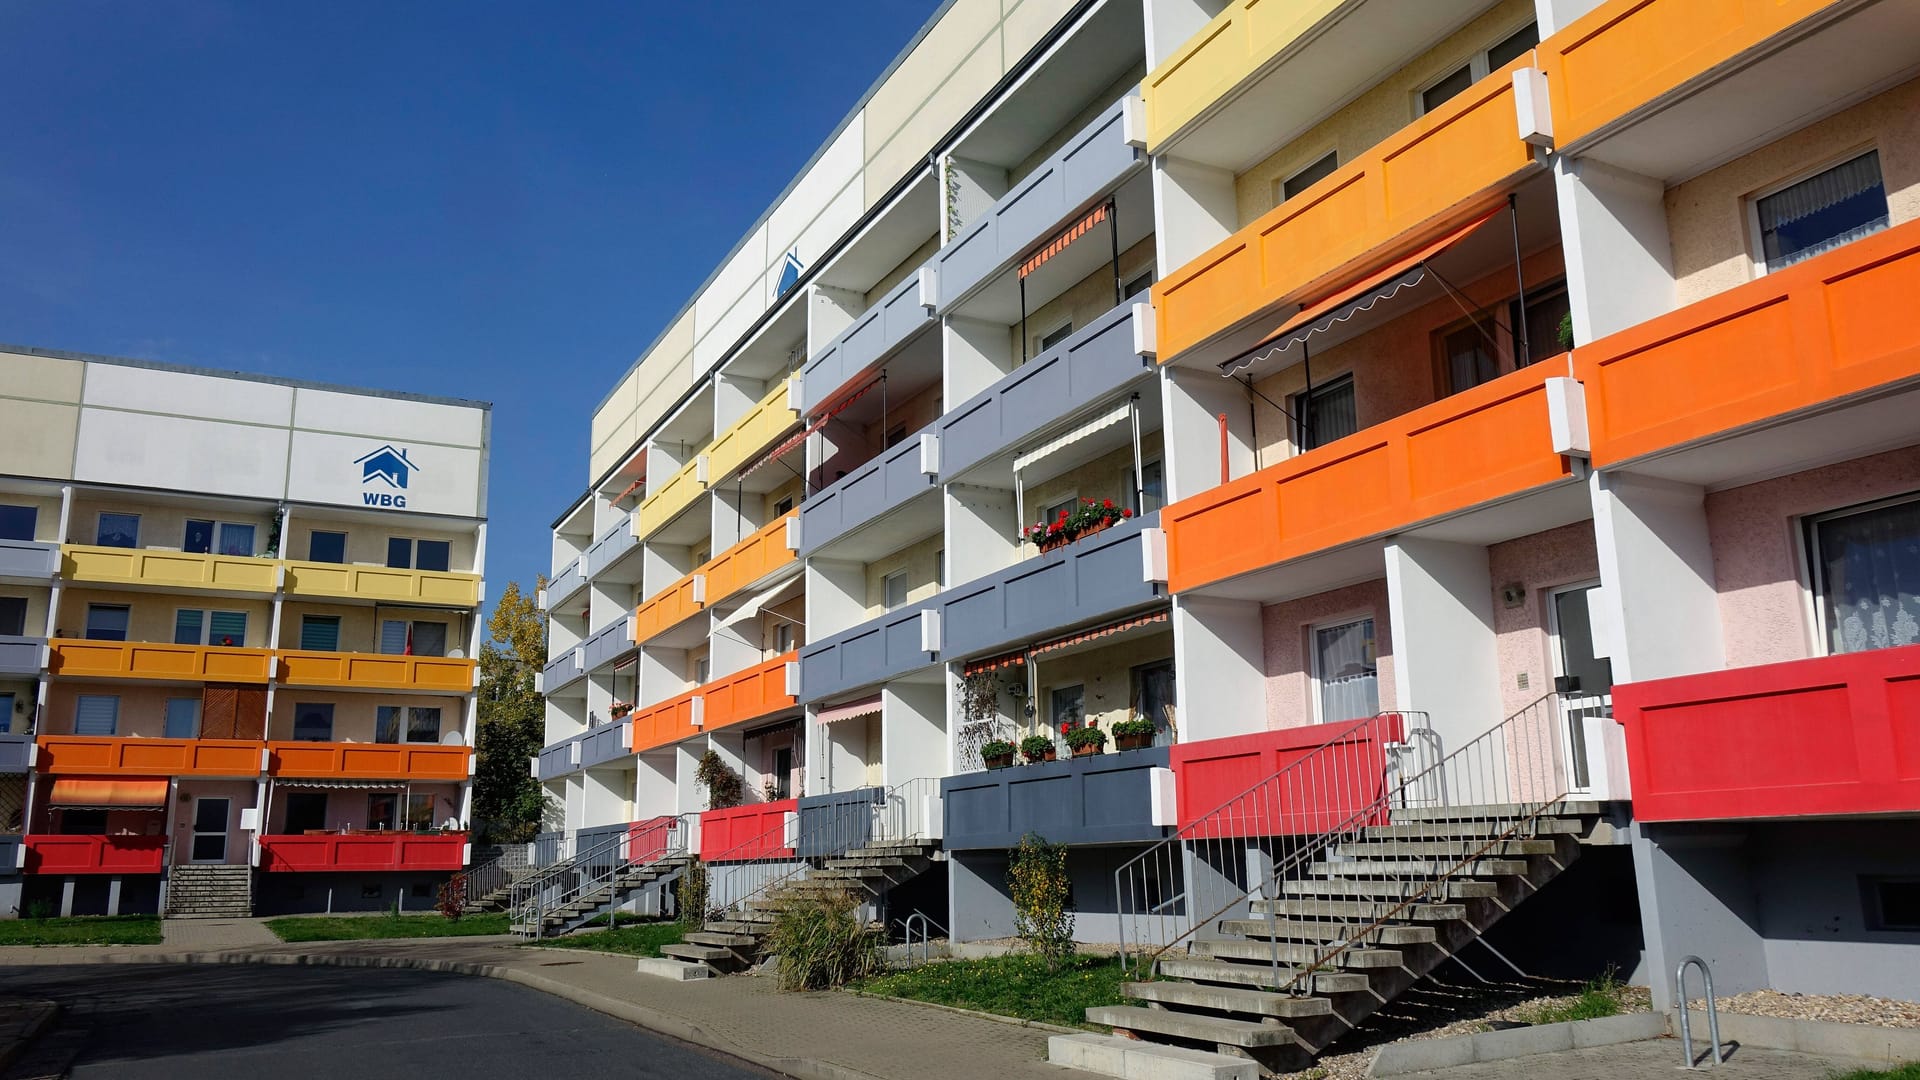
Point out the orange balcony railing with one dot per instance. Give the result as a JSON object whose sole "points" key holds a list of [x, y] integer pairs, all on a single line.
{"points": [[369, 761], [1486, 443], [665, 723], [370, 671], [1788, 342], [368, 851], [52, 854], [157, 660], [725, 574], [759, 691], [105, 755]]}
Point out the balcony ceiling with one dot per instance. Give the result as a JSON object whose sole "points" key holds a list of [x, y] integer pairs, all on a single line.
{"points": [[691, 427], [997, 472], [897, 232], [765, 357], [909, 523], [911, 369], [1073, 79], [1867, 48], [999, 300], [1866, 425]]}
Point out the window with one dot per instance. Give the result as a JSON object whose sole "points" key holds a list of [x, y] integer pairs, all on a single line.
{"points": [[1067, 705], [1140, 283], [107, 622], [224, 628], [1154, 488], [6, 712], [1498, 55], [894, 438], [783, 638], [79, 821], [306, 812], [183, 718], [1153, 696], [236, 539], [1866, 576], [783, 507], [320, 633], [1822, 212], [13, 615], [199, 537], [118, 530], [1469, 356], [894, 586], [1546, 307], [313, 721], [1055, 337], [96, 714], [423, 725], [419, 811], [1344, 672], [1325, 414], [433, 555], [418, 638], [1307, 177], [400, 552], [1064, 506], [17, 522], [940, 569], [1891, 903], [386, 723], [702, 669], [381, 810], [327, 547]]}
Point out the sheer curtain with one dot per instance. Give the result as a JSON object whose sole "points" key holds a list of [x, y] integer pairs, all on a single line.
{"points": [[1344, 666], [1870, 564], [1823, 212]]}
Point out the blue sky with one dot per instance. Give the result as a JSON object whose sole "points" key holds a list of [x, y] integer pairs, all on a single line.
{"points": [[503, 201]]}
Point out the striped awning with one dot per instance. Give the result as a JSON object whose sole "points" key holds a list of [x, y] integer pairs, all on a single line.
{"points": [[343, 785], [91, 793], [850, 710], [1099, 632], [1117, 415], [1066, 236], [786, 446], [994, 663]]}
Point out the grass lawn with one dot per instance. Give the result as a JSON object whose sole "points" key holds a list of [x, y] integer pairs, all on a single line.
{"points": [[351, 928], [1909, 1071], [626, 938], [82, 930], [1010, 986]]}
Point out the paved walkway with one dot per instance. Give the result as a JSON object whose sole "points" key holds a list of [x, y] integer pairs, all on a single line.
{"points": [[215, 934], [1655, 1057]]}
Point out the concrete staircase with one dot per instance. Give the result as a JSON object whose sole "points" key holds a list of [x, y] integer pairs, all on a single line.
{"points": [[206, 891], [1366, 919], [732, 943], [622, 885]]}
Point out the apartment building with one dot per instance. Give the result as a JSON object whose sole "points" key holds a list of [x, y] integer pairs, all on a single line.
{"points": [[1498, 434], [239, 620]]}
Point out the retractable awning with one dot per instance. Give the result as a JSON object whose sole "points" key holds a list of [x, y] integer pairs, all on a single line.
{"points": [[994, 663], [850, 710], [1099, 632], [90, 793], [1350, 300], [1118, 415], [343, 785], [779, 593]]}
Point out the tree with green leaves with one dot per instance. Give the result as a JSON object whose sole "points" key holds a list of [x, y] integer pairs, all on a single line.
{"points": [[507, 799]]}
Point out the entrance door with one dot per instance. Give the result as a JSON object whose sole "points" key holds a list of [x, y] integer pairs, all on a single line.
{"points": [[1585, 681], [210, 829]]}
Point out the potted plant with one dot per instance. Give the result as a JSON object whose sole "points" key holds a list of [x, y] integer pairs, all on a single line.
{"points": [[1069, 525], [1135, 733], [1037, 748], [1086, 741], [997, 754]]}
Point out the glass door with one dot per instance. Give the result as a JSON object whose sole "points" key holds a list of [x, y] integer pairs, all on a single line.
{"points": [[210, 829], [1584, 681]]}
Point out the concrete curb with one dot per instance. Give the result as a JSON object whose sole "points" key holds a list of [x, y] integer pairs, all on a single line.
{"points": [[1011, 1021], [1396, 1059], [1826, 1038]]}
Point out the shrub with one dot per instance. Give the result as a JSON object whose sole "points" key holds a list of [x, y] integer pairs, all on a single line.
{"points": [[724, 786], [1138, 725], [690, 892], [1086, 736], [823, 943], [1042, 898], [452, 901], [1035, 747], [1564, 332], [996, 748]]}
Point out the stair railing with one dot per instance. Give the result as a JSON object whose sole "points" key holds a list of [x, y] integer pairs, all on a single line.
{"points": [[786, 852], [1216, 865], [912, 812], [539, 894], [496, 873]]}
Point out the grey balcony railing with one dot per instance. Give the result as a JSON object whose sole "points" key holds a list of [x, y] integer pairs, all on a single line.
{"points": [[1099, 799], [1098, 576], [609, 643], [1089, 166], [16, 754], [878, 487], [563, 669], [617, 544], [605, 743], [859, 350], [9, 853], [881, 648], [1096, 361], [29, 560], [567, 582], [21, 655]]}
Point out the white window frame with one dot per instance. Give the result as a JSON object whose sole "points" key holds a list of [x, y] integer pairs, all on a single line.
{"points": [[137, 524], [906, 591], [1315, 715], [1280, 183], [1053, 721], [1807, 549], [345, 539], [1478, 66], [1150, 270], [1756, 241]]}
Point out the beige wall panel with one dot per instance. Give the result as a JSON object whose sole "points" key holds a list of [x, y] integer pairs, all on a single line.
{"points": [[40, 438], [42, 377]]}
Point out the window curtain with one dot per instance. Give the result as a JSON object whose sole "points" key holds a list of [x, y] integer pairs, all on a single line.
{"points": [[1334, 413], [1349, 681], [1823, 212], [423, 725], [183, 718], [320, 633], [1871, 565], [227, 628]]}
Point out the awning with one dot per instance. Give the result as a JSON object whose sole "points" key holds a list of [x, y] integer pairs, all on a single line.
{"points": [[1099, 632], [780, 728], [1350, 300], [1118, 415], [1066, 236], [343, 785], [89, 793], [994, 663], [786, 445], [786, 589], [850, 710]]}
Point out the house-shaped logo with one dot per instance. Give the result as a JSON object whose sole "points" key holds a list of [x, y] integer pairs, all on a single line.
{"points": [[789, 274], [391, 467]]}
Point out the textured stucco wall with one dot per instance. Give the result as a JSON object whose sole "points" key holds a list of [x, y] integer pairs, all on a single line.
{"points": [[1708, 220], [1540, 563], [1758, 566], [1285, 629], [1086, 300], [1105, 675]]}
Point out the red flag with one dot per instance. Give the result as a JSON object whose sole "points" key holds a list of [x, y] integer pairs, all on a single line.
{"points": [[408, 651]]}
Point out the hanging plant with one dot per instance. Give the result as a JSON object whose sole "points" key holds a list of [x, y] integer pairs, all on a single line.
{"points": [[724, 787]]}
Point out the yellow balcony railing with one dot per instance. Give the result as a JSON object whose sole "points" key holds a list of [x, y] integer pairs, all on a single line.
{"points": [[341, 581], [1225, 53], [113, 567], [669, 499], [736, 447]]}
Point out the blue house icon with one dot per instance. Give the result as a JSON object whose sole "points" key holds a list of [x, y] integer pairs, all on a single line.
{"points": [[386, 464]]}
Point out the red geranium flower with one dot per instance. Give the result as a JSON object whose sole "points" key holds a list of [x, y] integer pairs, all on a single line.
{"points": [[1126, 513], [1106, 504]]}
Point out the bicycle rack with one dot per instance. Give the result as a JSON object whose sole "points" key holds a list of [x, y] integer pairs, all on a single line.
{"points": [[1713, 1014], [926, 935]]}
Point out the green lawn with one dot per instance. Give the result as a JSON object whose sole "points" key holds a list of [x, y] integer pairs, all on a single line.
{"points": [[1909, 1071], [1017, 986], [627, 939], [336, 928], [82, 930]]}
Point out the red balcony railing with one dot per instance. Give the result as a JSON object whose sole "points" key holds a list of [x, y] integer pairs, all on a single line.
{"points": [[371, 851], [746, 832], [1348, 774], [50, 854]]}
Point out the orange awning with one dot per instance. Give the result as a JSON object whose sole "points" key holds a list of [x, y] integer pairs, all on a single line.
{"points": [[1066, 236], [850, 710], [1099, 632], [85, 791], [994, 663]]}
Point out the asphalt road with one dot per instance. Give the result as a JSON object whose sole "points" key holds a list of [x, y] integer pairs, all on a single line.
{"points": [[136, 1022]]}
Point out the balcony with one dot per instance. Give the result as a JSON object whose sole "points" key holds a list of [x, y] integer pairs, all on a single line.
{"points": [[1426, 179], [738, 568], [16, 756], [608, 742], [139, 568], [889, 325], [761, 690], [882, 648], [1489, 443], [370, 671], [746, 438], [875, 493], [667, 722], [382, 585], [22, 656], [1211, 773], [72, 658], [608, 644], [562, 671], [104, 755], [1094, 578], [570, 580], [1068, 183], [371, 851], [754, 831], [600, 560], [1693, 388], [1834, 735], [369, 761], [669, 499], [28, 562], [1096, 361], [52, 854], [1099, 799]]}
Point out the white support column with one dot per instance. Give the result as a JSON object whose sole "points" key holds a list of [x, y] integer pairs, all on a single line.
{"points": [[1219, 667], [977, 354], [1657, 613], [913, 736], [1445, 660], [1194, 401], [1618, 255], [1194, 208]]}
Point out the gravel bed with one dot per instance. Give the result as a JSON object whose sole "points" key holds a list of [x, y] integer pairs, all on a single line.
{"points": [[1834, 1008]]}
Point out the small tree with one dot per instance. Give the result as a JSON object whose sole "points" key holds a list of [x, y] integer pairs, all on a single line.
{"points": [[724, 786], [690, 893], [507, 800], [1042, 898]]}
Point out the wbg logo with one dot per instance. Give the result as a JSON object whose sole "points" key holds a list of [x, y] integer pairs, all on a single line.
{"points": [[391, 467]]}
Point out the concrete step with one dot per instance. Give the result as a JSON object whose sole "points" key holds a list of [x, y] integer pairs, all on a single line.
{"points": [[1492, 811], [738, 926], [1112, 1055], [678, 970], [1423, 830], [1314, 930], [1395, 890], [1360, 909], [1287, 952], [868, 867], [725, 941], [1193, 1027], [1257, 975], [1228, 999], [1409, 868], [1460, 848], [699, 952]]}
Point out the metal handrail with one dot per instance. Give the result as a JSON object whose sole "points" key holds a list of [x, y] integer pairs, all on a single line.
{"points": [[1713, 1013], [589, 872], [496, 873]]}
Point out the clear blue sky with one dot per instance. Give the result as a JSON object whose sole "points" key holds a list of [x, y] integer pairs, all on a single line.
{"points": [[503, 201]]}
